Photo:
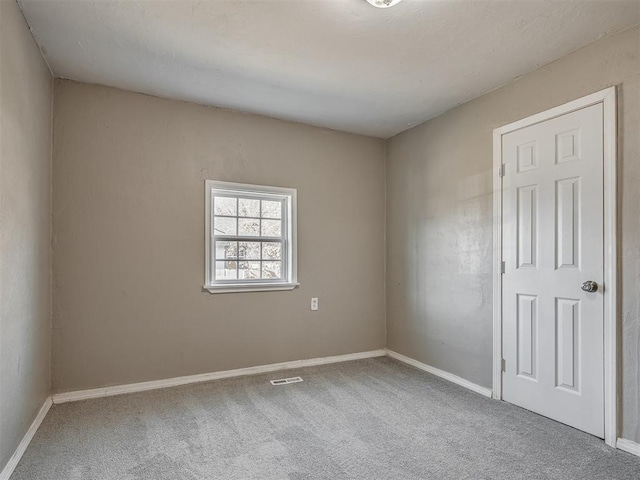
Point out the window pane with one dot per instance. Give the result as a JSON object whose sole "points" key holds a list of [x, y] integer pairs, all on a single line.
{"points": [[271, 209], [249, 227], [271, 251], [226, 250], [247, 270], [224, 226], [248, 240], [271, 228], [226, 270], [224, 206], [249, 250], [271, 270], [248, 207]]}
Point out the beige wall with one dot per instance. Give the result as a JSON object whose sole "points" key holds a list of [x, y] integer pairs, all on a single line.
{"points": [[128, 249], [439, 217], [128, 231], [25, 215]]}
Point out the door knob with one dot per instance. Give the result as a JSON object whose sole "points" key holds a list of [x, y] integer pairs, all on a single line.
{"points": [[589, 286]]}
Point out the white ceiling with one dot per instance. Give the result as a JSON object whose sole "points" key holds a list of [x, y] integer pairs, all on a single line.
{"points": [[341, 64]]}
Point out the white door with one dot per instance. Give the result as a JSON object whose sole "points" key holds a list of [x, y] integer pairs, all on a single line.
{"points": [[553, 330]]}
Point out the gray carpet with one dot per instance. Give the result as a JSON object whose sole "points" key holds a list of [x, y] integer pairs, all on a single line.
{"points": [[369, 419]]}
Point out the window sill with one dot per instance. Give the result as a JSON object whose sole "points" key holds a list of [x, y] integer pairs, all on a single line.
{"points": [[256, 287]]}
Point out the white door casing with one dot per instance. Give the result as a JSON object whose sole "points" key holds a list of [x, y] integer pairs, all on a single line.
{"points": [[555, 210]]}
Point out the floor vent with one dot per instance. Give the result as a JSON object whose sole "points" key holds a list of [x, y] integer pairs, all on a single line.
{"points": [[285, 381]]}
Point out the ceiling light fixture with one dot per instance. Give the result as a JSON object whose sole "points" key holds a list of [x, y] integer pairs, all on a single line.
{"points": [[384, 3]]}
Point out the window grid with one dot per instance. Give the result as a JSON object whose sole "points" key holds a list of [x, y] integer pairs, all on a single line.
{"points": [[238, 261], [235, 261]]}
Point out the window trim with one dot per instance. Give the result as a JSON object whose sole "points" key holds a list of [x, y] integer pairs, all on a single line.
{"points": [[290, 223]]}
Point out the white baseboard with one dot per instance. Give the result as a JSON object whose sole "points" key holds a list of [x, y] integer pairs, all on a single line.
{"points": [[17, 455], [623, 444], [441, 373], [628, 446], [206, 377]]}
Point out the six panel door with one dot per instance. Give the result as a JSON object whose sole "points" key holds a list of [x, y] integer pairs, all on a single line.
{"points": [[553, 330]]}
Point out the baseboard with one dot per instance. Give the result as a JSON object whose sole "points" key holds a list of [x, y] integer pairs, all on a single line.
{"points": [[26, 440], [623, 444], [628, 446], [206, 377], [441, 373]]}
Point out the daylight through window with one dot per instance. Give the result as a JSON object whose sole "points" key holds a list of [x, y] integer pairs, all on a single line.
{"points": [[251, 237]]}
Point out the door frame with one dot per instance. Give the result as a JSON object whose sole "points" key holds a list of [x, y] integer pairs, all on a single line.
{"points": [[608, 98]]}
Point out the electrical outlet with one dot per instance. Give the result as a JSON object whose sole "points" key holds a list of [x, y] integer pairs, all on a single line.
{"points": [[314, 303]]}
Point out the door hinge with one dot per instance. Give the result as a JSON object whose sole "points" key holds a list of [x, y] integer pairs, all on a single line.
{"points": [[503, 365], [501, 170], [503, 267]]}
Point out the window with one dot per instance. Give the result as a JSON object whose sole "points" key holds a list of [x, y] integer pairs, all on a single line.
{"points": [[250, 237]]}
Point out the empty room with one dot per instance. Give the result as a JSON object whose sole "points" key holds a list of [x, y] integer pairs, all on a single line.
{"points": [[319, 239]]}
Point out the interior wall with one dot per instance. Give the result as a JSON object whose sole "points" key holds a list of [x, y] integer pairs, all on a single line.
{"points": [[439, 216], [128, 248], [25, 219]]}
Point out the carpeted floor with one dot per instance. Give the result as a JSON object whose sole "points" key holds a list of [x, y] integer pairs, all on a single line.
{"points": [[371, 419]]}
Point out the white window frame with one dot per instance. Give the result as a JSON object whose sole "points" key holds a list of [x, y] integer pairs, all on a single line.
{"points": [[289, 225]]}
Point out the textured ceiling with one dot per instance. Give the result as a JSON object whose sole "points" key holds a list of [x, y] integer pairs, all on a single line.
{"points": [[341, 64]]}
